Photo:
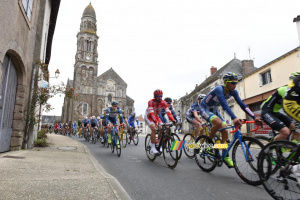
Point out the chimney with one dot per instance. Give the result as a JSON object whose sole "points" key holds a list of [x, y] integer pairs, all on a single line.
{"points": [[247, 66], [297, 20], [196, 85], [213, 70]]}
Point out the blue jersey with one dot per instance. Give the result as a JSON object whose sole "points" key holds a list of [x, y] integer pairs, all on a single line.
{"points": [[131, 121], [93, 122], [194, 107], [85, 122], [163, 112], [111, 115], [216, 97]]}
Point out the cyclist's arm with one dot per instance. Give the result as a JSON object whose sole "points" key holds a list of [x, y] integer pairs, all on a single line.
{"points": [[121, 116], [107, 116], [174, 115], [242, 105], [151, 112], [219, 93], [197, 116], [169, 113], [162, 117]]}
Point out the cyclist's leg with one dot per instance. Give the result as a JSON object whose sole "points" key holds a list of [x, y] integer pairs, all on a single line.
{"points": [[296, 133], [153, 129], [198, 126]]}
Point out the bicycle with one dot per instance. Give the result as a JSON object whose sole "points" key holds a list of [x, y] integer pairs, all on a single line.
{"points": [[244, 154], [94, 136], [175, 136], [105, 138], [115, 141], [274, 169], [189, 138], [166, 141], [133, 136], [123, 136]]}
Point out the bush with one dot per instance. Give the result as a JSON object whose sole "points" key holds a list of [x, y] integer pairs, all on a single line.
{"points": [[41, 143], [41, 135]]}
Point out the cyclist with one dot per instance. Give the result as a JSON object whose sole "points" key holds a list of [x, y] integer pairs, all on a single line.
{"points": [[192, 116], [291, 105], [103, 123], [85, 123], [152, 115], [93, 125], [80, 127], [218, 96], [60, 128], [111, 117], [130, 122], [74, 128], [277, 121], [56, 128]]}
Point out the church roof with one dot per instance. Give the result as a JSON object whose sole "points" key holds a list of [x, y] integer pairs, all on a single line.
{"points": [[89, 11], [112, 73]]}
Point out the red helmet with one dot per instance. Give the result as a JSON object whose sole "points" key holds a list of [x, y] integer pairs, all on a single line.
{"points": [[158, 92]]}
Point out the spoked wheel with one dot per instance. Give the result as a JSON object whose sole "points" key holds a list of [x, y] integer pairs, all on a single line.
{"points": [[135, 138], [112, 145], [204, 154], [188, 138], [124, 139], [282, 183], [118, 147], [128, 138], [170, 156], [150, 155], [176, 138], [245, 158]]}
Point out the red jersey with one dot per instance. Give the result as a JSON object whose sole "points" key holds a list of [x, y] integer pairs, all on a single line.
{"points": [[154, 109]]}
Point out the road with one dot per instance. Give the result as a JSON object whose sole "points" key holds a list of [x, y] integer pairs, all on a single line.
{"points": [[145, 180]]}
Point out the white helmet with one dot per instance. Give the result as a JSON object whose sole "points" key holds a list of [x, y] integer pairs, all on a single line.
{"points": [[93, 117], [98, 117], [201, 96]]}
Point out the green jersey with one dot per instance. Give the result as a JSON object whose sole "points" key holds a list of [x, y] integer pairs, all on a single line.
{"points": [[274, 102]]}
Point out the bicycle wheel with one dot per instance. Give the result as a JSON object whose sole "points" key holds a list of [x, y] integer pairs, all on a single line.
{"points": [[129, 138], [150, 155], [205, 154], [247, 170], [112, 145], [263, 139], [188, 138], [118, 146], [124, 138], [170, 156], [176, 138], [135, 138], [282, 184]]}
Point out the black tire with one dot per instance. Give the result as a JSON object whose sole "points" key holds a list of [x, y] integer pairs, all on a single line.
{"points": [[176, 138], [204, 160], [118, 147], [170, 156], [247, 170], [135, 138], [188, 138], [282, 184], [263, 139], [150, 155], [124, 139], [128, 138], [112, 146]]}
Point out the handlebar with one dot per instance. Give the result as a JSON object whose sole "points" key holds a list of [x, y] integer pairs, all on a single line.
{"points": [[245, 122]]}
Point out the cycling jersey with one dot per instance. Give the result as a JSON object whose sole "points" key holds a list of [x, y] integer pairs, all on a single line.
{"points": [[131, 120], [274, 102], [291, 102], [111, 115], [163, 112], [209, 105], [74, 125], [153, 110], [85, 122], [93, 123]]}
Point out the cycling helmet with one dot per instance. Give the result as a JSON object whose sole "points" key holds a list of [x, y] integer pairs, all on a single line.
{"points": [[93, 117], [168, 99], [230, 76], [114, 103], [201, 96], [86, 117], [98, 117], [293, 75], [133, 113], [158, 92]]}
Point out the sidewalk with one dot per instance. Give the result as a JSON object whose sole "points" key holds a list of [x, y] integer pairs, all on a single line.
{"points": [[51, 173]]}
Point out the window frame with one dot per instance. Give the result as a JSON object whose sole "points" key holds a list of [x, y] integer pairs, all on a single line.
{"points": [[24, 12], [262, 77]]}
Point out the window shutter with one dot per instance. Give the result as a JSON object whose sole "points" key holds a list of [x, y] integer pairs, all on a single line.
{"points": [[260, 79]]}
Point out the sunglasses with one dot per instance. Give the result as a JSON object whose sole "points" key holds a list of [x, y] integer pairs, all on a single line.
{"points": [[158, 96], [232, 82]]}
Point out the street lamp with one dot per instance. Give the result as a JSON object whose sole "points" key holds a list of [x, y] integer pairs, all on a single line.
{"points": [[56, 74]]}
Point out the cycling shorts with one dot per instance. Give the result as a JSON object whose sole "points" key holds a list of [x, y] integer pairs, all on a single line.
{"points": [[276, 121], [209, 115]]}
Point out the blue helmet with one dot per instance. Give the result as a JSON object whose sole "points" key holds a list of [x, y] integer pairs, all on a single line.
{"points": [[114, 103], [230, 76], [102, 116]]}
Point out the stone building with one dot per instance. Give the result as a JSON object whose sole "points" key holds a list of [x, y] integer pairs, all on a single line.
{"points": [[95, 93], [26, 33]]}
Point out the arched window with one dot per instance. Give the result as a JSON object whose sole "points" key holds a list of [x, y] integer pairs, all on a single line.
{"points": [[84, 109], [109, 98]]}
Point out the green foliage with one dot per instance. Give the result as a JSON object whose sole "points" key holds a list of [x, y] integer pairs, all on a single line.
{"points": [[41, 143], [41, 134]]}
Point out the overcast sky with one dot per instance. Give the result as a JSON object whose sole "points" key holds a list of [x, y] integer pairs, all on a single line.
{"points": [[172, 44]]}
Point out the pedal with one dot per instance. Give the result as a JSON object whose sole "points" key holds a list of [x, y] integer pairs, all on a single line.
{"points": [[219, 163]]}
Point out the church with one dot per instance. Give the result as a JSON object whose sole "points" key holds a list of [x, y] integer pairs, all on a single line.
{"points": [[95, 94]]}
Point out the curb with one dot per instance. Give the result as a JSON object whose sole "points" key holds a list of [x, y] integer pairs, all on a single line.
{"points": [[115, 185]]}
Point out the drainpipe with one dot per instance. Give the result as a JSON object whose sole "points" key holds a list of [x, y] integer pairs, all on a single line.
{"points": [[28, 124], [297, 20]]}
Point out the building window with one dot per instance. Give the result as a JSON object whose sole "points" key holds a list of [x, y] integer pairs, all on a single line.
{"points": [[27, 5], [109, 98], [84, 109], [265, 78]]}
